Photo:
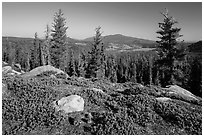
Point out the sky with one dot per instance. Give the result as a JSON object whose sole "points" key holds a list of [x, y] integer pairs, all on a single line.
{"points": [[136, 19]]}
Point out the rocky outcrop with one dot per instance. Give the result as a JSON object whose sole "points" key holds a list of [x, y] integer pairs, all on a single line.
{"points": [[174, 91], [97, 90], [163, 99], [72, 103], [42, 69], [7, 70]]}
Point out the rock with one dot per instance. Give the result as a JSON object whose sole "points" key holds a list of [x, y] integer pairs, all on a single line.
{"points": [[6, 69], [17, 66], [4, 64], [97, 90], [22, 71], [9, 71], [70, 104], [174, 89], [42, 69], [163, 99], [16, 72]]}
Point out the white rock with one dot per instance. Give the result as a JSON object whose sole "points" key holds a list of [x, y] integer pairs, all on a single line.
{"points": [[174, 89], [6, 69], [15, 72], [70, 104], [163, 99], [41, 69], [97, 90]]}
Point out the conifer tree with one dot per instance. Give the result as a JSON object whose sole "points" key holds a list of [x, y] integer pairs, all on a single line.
{"points": [[45, 48], [133, 71], [167, 49], [58, 40], [103, 62], [35, 53], [11, 56], [6, 51], [71, 65], [94, 60], [150, 69], [81, 64], [111, 66]]}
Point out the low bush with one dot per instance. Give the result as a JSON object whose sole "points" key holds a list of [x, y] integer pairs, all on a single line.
{"points": [[29, 105]]}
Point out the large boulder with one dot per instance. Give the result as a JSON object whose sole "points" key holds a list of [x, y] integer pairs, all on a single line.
{"points": [[176, 91], [69, 104], [42, 69]]}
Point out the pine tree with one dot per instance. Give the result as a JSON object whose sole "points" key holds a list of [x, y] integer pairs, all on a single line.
{"points": [[58, 40], [103, 62], [28, 57], [111, 69], [167, 49], [133, 71], [71, 65], [47, 32], [150, 69], [36, 53], [45, 48], [6, 51], [11, 55], [94, 60], [81, 64]]}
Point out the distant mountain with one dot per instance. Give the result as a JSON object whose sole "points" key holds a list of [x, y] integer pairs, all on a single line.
{"points": [[118, 38], [127, 40]]}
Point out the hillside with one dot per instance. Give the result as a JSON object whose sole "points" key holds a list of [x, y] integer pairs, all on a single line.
{"points": [[109, 108], [119, 40], [196, 47]]}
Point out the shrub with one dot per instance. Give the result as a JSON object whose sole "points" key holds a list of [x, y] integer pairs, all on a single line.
{"points": [[29, 106]]}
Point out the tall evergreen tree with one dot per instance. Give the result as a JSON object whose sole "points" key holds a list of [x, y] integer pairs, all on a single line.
{"points": [[35, 58], [95, 55], [47, 32], [167, 49], [45, 47], [58, 40]]}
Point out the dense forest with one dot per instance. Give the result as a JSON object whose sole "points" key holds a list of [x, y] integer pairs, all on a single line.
{"points": [[183, 67]]}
